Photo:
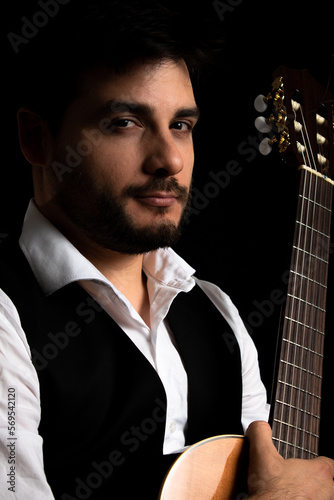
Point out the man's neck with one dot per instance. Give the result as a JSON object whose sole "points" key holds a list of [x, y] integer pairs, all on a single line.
{"points": [[126, 274], [124, 271]]}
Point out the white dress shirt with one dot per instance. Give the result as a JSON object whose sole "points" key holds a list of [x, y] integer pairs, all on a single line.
{"points": [[55, 263]]}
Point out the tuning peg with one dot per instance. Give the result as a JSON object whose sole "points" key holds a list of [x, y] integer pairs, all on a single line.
{"points": [[260, 104], [265, 146], [262, 125]]}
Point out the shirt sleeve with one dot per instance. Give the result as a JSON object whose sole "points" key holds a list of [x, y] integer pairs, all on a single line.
{"points": [[254, 398], [21, 456]]}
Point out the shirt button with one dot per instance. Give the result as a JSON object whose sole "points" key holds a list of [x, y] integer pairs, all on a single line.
{"points": [[172, 427]]}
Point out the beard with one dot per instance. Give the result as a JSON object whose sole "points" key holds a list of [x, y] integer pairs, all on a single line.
{"points": [[102, 216]]}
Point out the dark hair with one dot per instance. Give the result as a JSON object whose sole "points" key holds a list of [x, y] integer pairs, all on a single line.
{"points": [[114, 32]]}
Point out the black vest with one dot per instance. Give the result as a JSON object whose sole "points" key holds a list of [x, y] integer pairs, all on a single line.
{"points": [[103, 404]]}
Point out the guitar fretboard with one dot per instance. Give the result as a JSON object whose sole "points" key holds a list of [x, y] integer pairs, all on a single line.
{"points": [[296, 415]]}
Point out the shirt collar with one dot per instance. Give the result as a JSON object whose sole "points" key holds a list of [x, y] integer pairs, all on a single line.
{"points": [[55, 262]]}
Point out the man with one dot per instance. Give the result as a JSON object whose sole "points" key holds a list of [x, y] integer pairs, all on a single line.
{"points": [[133, 357]]}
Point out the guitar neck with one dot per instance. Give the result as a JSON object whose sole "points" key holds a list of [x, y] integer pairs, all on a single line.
{"points": [[296, 411]]}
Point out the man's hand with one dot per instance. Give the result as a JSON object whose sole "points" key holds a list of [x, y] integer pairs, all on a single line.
{"points": [[270, 477]]}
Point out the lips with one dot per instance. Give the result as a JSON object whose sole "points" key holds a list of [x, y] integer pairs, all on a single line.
{"points": [[158, 199], [159, 192]]}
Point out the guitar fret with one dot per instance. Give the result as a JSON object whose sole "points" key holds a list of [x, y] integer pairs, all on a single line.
{"points": [[310, 254], [314, 221], [308, 279], [296, 428], [306, 302], [313, 229], [315, 203], [303, 347], [304, 324], [299, 389], [304, 413], [301, 368], [295, 446], [317, 417]]}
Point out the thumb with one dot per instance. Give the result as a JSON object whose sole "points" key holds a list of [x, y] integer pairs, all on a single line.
{"points": [[259, 435], [264, 460]]}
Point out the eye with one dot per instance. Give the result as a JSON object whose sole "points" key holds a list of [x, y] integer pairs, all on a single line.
{"points": [[119, 125], [182, 126], [122, 123]]}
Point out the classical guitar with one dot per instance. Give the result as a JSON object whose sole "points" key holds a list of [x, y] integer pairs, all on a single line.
{"points": [[299, 120]]}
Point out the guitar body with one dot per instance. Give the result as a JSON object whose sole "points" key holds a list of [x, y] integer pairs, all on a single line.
{"points": [[213, 469]]}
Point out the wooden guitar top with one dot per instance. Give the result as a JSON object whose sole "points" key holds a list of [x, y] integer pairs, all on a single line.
{"points": [[213, 469]]}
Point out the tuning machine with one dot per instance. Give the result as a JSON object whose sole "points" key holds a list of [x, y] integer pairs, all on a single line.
{"points": [[260, 103], [274, 123]]}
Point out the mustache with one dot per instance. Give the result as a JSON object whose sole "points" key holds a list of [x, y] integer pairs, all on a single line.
{"points": [[160, 184]]}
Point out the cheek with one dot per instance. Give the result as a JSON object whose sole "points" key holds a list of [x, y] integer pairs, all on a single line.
{"points": [[113, 166]]}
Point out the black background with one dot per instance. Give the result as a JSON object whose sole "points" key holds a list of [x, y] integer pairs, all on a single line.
{"points": [[241, 236]]}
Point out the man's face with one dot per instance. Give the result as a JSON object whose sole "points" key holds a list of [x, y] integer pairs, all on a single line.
{"points": [[121, 165]]}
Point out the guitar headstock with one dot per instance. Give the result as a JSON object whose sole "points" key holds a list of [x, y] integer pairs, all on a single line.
{"points": [[299, 120]]}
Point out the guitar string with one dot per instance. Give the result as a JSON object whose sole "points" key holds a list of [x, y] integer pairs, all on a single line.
{"points": [[293, 334], [298, 328], [294, 329], [316, 344], [310, 312], [302, 317], [324, 200], [288, 371], [300, 331], [303, 291], [318, 294]]}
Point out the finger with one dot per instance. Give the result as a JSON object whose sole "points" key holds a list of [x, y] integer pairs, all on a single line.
{"points": [[263, 455], [259, 435]]}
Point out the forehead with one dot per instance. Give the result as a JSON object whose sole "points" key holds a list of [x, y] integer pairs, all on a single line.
{"points": [[163, 85]]}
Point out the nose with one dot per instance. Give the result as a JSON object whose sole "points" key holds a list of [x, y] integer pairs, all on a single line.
{"points": [[163, 156]]}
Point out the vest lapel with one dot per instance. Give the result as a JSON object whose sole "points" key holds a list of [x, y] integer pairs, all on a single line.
{"points": [[211, 356]]}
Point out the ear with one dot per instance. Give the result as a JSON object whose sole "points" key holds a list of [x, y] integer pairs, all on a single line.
{"points": [[34, 136]]}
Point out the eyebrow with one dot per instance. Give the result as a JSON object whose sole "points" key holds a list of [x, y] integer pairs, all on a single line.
{"points": [[117, 106]]}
